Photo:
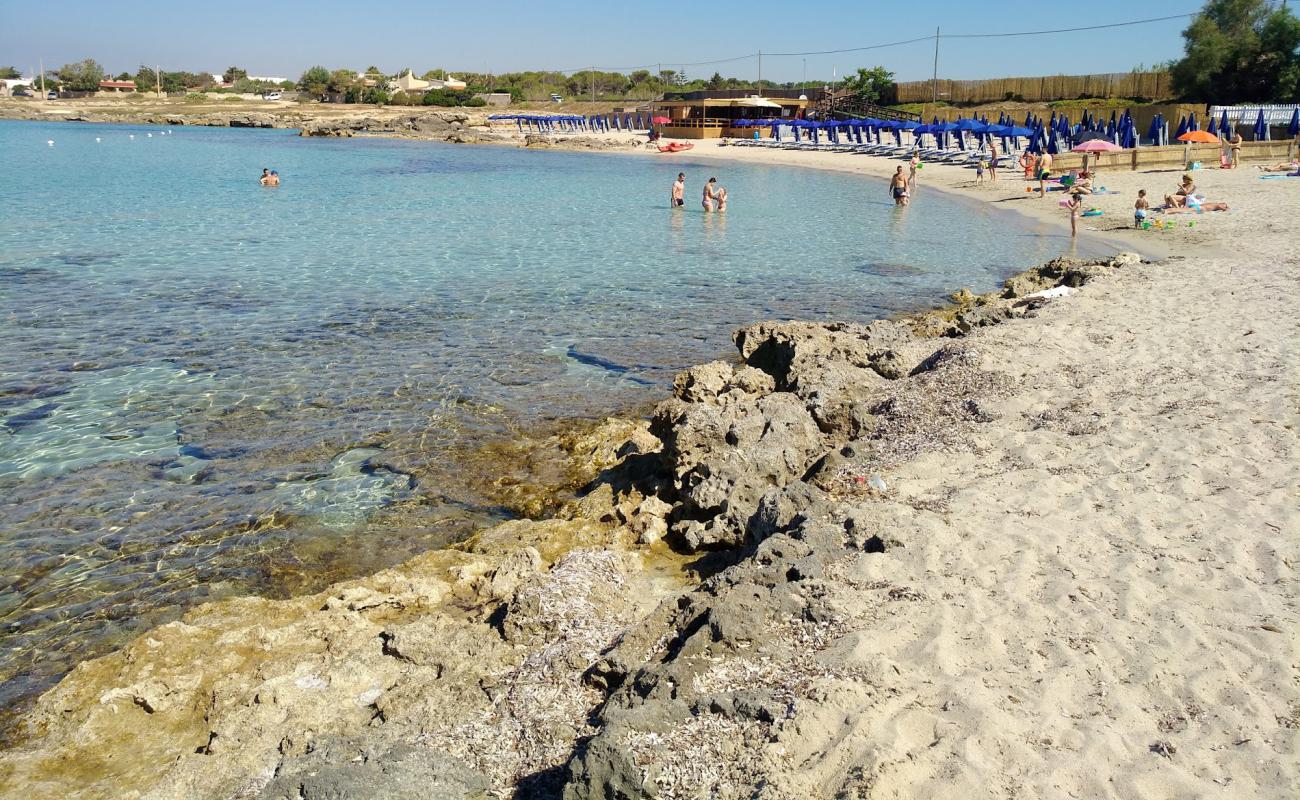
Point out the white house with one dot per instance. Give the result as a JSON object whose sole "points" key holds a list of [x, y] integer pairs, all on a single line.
{"points": [[407, 82]]}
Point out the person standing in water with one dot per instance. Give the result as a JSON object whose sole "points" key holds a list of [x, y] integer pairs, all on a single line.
{"points": [[1074, 204], [898, 188], [911, 169], [678, 197], [265, 180], [273, 179], [710, 197]]}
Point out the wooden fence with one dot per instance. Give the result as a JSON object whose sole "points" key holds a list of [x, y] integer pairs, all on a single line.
{"points": [[1147, 85], [1175, 157]]}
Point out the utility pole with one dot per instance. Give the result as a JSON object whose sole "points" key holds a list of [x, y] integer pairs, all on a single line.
{"points": [[934, 82], [760, 73], [157, 81], [43, 98], [593, 84]]}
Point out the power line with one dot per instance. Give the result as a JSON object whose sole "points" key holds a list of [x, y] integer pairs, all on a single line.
{"points": [[933, 37], [1069, 30]]}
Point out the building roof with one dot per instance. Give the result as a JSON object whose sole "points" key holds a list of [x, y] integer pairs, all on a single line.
{"points": [[117, 84]]}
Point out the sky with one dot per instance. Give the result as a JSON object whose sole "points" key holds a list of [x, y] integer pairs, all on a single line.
{"points": [[284, 37]]}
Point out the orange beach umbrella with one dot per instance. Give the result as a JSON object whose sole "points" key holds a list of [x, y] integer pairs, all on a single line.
{"points": [[1199, 136]]}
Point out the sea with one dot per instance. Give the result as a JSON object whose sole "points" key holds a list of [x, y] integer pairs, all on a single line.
{"points": [[212, 388]]}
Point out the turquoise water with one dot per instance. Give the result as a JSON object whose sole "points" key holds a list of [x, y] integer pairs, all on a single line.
{"points": [[213, 388]]}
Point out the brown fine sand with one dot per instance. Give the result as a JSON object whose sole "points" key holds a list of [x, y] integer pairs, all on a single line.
{"points": [[1109, 608]]}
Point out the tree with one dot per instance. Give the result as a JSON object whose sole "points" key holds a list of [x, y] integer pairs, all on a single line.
{"points": [[872, 85], [83, 76], [9, 73], [315, 82], [1240, 51], [716, 82], [233, 74]]}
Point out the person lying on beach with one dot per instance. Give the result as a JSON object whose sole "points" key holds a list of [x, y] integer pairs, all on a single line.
{"points": [[1294, 166], [710, 198], [678, 198], [1141, 209], [1196, 208], [898, 188]]}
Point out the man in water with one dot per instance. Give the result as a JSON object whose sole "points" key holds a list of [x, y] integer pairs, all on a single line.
{"points": [[898, 188], [678, 198], [265, 180], [273, 179]]}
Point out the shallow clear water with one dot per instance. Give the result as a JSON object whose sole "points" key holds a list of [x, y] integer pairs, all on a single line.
{"points": [[209, 387]]}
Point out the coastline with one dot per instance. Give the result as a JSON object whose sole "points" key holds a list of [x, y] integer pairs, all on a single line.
{"points": [[497, 571]]}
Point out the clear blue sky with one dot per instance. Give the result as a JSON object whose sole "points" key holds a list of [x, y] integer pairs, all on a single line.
{"points": [[283, 37]]}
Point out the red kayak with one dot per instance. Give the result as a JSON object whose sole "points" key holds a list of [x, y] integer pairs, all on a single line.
{"points": [[675, 147]]}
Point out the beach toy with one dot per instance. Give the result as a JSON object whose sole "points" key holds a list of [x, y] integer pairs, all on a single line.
{"points": [[1146, 226], [1092, 212], [921, 165]]}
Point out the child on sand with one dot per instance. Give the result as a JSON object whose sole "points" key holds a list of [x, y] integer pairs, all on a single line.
{"points": [[979, 170], [1141, 209]]}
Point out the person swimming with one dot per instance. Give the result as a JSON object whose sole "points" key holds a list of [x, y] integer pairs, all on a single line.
{"points": [[265, 180], [273, 179]]}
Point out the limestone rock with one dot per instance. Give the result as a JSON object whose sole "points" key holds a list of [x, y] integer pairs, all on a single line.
{"points": [[357, 770]]}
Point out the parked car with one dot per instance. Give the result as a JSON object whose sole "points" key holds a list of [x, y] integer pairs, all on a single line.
{"points": [[51, 95], [272, 95], [555, 98]]}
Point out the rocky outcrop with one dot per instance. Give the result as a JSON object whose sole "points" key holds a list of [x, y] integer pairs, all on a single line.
{"points": [[567, 656], [251, 121]]}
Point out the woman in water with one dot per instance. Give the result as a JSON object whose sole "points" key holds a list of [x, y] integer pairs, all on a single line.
{"points": [[710, 197]]}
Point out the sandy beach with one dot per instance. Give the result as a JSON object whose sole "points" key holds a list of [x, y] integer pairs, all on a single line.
{"points": [[1031, 547]]}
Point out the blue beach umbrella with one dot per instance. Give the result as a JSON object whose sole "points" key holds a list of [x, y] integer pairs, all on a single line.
{"points": [[1192, 124], [1223, 123], [1293, 127], [1154, 133], [1261, 127], [1182, 127], [1213, 129], [1129, 139]]}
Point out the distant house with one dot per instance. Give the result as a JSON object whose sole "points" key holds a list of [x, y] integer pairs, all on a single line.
{"points": [[501, 99], [407, 82], [7, 85], [116, 87]]}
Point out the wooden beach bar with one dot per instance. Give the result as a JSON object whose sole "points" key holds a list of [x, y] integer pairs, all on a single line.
{"points": [[712, 114]]}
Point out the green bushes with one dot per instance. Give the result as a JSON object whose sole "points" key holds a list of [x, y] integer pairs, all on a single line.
{"points": [[446, 97]]}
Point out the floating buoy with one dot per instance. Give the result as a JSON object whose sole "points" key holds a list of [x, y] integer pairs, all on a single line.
{"points": [[130, 136], [49, 142], [150, 135], [97, 138]]}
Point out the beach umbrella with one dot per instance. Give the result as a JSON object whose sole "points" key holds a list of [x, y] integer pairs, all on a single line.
{"points": [[1223, 124], [1182, 127], [1192, 124], [1154, 133], [1261, 127], [1213, 125], [1129, 139], [1293, 128], [660, 120], [1094, 146], [1199, 136]]}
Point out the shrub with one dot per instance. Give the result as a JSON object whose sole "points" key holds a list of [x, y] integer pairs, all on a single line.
{"points": [[446, 97], [196, 97]]}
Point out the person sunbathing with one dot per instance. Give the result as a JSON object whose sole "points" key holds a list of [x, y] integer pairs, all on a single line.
{"points": [[1294, 166], [1197, 208], [1083, 183], [1185, 189]]}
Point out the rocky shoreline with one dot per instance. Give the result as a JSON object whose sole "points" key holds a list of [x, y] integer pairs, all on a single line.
{"points": [[451, 126], [651, 638]]}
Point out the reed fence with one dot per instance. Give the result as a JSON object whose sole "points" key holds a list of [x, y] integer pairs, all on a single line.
{"points": [[1148, 85]]}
